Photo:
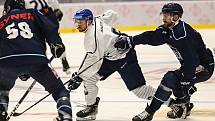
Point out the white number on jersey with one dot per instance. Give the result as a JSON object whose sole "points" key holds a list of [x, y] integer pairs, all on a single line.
{"points": [[24, 30], [37, 3]]}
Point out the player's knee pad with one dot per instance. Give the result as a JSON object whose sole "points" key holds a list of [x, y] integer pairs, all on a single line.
{"points": [[90, 90], [170, 80], [64, 108], [4, 100], [144, 92]]}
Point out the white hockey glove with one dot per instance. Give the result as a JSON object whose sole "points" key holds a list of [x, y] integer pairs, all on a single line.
{"points": [[75, 81], [124, 43]]}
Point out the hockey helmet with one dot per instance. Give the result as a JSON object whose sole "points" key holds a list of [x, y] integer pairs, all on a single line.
{"points": [[83, 14], [13, 4], [174, 8]]}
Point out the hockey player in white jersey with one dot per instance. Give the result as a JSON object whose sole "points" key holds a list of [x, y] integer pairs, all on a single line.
{"points": [[99, 42], [54, 6]]}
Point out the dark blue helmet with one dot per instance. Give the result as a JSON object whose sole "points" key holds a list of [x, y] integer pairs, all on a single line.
{"points": [[83, 14], [174, 8], [13, 4]]}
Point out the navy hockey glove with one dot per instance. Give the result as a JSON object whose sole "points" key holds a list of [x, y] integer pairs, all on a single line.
{"points": [[57, 49], [74, 82], [188, 88], [24, 77], [124, 43], [59, 14]]}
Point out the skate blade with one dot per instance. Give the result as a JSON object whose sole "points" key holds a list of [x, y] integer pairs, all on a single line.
{"points": [[55, 119], [88, 118]]}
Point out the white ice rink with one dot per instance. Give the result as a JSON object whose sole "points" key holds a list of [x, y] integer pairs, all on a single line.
{"points": [[117, 103]]}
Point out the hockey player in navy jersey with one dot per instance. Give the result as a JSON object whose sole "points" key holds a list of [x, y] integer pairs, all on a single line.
{"points": [[56, 16], [23, 37], [197, 63], [51, 9]]}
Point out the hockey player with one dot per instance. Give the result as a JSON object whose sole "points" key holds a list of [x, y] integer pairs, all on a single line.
{"points": [[99, 44], [43, 6], [23, 37], [197, 63]]}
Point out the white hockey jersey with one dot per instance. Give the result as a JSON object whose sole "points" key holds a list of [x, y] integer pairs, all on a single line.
{"points": [[38, 4], [99, 42]]}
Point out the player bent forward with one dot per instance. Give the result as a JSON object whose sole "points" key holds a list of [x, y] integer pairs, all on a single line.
{"points": [[197, 63], [99, 42], [23, 47]]}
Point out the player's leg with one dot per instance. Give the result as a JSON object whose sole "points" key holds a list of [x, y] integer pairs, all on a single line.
{"points": [[7, 81], [203, 73], [180, 106], [162, 94], [53, 84], [135, 81], [132, 75], [91, 92], [177, 110]]}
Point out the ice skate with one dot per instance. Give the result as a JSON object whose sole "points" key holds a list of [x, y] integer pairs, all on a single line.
{"points": [[3, 116], [146, 115], [59, 119], [3, 113], [89, 113], [3, 108], [180, 111]]}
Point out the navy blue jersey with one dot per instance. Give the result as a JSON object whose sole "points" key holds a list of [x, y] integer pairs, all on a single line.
{"points": [[23, 37], [186, 43]]}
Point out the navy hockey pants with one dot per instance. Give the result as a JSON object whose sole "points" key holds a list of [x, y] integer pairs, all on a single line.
{"points": [[42, 73], [128, 69], [201, 76]]}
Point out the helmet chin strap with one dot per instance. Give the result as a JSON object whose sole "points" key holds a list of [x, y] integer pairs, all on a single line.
{"points": [[174, 22]]}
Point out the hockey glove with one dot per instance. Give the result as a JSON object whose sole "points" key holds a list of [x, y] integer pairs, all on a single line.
{"points": [[59, 14], [24, 77], [188, 88], [124, 43], [74, 82], [57, 50], [46, 10]]}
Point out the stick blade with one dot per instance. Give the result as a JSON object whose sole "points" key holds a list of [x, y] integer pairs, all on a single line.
{"points": [[16, 114]]}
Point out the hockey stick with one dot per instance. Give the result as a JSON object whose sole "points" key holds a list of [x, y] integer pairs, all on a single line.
{"points": [[18, 114], [24, 96]]}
